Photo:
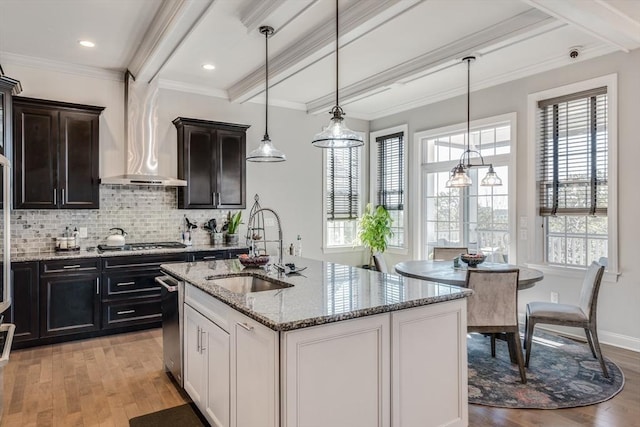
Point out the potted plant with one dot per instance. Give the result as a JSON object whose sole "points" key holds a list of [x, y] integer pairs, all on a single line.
{"points": [[374, 230], [231, 227]]}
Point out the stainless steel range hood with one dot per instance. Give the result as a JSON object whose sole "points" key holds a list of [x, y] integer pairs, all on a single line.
{"points": [[141, 120]]}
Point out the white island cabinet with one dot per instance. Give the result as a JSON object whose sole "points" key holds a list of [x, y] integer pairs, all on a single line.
{"points": [[394, 356]]}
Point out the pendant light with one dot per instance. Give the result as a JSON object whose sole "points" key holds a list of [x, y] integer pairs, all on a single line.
{"points": [[266, 152], [337, 134], [459, 176]]}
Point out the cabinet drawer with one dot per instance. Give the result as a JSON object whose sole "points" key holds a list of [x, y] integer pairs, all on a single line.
{"points": [[131, 283], [69, 266], [141, 261], [208, 255], [118, 314], [213, 309]]}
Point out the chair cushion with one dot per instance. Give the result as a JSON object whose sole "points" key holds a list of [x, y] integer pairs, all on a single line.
{"points": [[560, 312]]}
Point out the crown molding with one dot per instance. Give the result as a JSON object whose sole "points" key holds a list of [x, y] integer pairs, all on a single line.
{"points": [[518, 27], [359, 19], [192, 88], [597, 18], [495, 80], [63, 67]]}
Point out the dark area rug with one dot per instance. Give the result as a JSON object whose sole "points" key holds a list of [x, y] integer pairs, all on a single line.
{"points": [[562, 373], [182, 416]]}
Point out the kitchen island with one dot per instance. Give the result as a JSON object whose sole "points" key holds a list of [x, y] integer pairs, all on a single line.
{"points": [[334, 345]]}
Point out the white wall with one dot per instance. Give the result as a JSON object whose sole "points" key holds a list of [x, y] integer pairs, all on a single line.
{"points": [[619, 313]]}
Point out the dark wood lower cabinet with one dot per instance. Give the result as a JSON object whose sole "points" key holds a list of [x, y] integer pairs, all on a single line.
{"points": [[69, 304], [24, 302]]}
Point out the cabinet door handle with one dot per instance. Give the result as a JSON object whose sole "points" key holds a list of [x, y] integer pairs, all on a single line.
{"points": [[203, 338], [98, 286], [62, 196], [126, 283], [55, 196], [245, 326], [126, 312], [198, 340], [217, 199], [72, 266]]}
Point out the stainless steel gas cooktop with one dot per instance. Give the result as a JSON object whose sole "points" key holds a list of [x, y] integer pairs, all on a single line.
{"points": [[142, 246]]}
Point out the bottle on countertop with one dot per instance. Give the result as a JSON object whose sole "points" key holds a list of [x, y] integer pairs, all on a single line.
{"points": [[291, 250], [299, 246], [76, 238]]}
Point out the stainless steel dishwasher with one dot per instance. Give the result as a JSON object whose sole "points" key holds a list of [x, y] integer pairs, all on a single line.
{"points": [[172, 338]]}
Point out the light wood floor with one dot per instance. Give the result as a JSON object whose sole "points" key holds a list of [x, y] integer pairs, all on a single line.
{"points": [[106, 381]]}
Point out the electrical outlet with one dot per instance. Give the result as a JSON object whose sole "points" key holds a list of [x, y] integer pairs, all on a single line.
{"points": [[523, 234], [554, 297], [82, 233]]}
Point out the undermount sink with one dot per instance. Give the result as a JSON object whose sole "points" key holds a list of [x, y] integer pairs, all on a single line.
{"points": [[247, 284]]}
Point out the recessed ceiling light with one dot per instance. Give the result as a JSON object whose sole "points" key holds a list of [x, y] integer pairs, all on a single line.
{"points": [[209, 67], [86, 43]]}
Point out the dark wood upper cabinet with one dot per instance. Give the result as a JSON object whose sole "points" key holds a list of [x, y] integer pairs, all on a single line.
{"points": [[56, 155], [211, 158]]}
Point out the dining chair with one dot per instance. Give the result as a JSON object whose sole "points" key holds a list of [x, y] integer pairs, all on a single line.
{"points": [[582, 315], [493, 309], [446, 253], [380, 264]]}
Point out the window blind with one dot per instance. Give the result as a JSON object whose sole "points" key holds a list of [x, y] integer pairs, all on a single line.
{"points": [[343, 188], [573, 156], [390, 180]]}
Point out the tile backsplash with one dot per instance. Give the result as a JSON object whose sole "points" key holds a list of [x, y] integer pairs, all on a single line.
{"points": [[146, 213]]}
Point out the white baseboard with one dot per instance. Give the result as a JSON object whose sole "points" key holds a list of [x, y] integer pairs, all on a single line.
{"points": [[605, 337]]}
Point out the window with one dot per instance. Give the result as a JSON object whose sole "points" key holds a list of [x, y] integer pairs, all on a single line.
{"points": [[388, 160], [572, 177], [480, 218], [342, 195], [573, 194]]}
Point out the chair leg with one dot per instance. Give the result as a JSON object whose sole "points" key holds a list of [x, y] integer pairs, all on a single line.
{"points": [[590, 341], [526, 325], [518, 354], [529, 334], [596, 345], [493, 345]]}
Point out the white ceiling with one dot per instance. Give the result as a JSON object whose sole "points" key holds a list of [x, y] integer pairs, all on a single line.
{"points": [[394, 54]]}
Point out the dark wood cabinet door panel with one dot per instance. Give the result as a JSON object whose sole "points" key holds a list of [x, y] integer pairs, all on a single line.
{"points": [[69, 304], [56, 156], [231, 169], [79, 159], [24, 302], [211, 158], [36, 157], [200, 164]]}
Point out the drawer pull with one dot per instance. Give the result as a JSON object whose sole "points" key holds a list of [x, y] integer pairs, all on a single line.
{"points": [[245, 326], [72, 266], [209, 257], [126, 312], [126, 284]]}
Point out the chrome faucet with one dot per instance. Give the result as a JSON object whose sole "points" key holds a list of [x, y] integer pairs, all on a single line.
{"points": [[280, 248]]}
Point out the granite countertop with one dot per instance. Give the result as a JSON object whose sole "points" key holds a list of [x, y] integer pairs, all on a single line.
{"points": [[92, 252], [323, 293]]}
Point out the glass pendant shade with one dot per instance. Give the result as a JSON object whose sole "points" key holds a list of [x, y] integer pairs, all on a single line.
{"points": [[491, 179], [459, 178], [337, 135], [266, 152]]}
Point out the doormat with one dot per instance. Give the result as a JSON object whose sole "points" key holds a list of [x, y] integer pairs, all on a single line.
{"points": [[184, 416], [562, 373]]}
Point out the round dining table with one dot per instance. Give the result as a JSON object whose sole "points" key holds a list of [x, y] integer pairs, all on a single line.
{"points": [[445, 272]]}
